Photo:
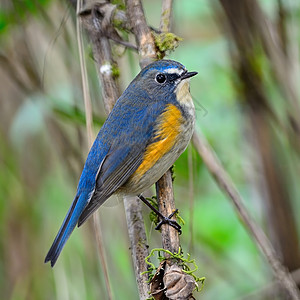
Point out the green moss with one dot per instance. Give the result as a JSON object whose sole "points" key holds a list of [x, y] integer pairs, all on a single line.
{"points": [[119, 3], [117, 24], [166, 42], [183, 262], [115, 71]]}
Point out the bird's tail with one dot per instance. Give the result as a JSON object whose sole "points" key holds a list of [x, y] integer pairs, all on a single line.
{"points": [[66, 229]]}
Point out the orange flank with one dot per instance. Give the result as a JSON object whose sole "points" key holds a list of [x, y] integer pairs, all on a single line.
{"points": [[167, 133]]}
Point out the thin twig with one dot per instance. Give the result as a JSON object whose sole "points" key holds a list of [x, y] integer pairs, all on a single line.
{"points": [[166, 16], [85, 83], [226, 185]]}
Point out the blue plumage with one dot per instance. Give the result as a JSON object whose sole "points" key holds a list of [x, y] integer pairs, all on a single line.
{"points": [[121, 144]]}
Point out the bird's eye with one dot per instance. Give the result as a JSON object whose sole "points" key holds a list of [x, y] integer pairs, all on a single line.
{"points": [[160, 78]]}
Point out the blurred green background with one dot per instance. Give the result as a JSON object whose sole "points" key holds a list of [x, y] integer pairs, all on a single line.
{"points": [[43, 146]]}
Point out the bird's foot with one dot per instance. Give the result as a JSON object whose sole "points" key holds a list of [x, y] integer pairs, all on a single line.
{"points": [[169, 221], [164, 220]]}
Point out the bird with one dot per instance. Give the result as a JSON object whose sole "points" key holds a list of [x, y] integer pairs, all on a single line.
{"points": [[148, 128]]}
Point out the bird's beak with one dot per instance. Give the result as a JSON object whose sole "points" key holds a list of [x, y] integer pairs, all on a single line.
{"points": [[187, 74]]}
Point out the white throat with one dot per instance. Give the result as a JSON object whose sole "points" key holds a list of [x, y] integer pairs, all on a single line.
{"points": [[183, 94]]}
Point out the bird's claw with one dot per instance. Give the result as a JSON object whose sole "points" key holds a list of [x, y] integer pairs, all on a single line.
{"points": [[167, 220]]}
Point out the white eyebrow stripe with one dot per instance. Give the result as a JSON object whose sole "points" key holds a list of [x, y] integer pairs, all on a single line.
{"points": [[174, 71]]}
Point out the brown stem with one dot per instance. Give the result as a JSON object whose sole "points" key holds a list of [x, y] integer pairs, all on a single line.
{"points": [[166, 205], [143, 36], [138, 243], [164, 187]]}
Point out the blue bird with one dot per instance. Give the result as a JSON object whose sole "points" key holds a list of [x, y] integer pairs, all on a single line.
{"points": [[149, 127]]}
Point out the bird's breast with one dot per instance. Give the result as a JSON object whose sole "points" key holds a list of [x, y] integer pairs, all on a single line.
{"points": [[174, 128]]}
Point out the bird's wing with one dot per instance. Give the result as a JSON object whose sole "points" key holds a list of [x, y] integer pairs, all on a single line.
{"points": [[117, 167], [134, 130]]}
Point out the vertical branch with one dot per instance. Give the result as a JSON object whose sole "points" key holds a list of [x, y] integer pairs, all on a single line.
{"points": [[166, 205], [103, 58], [138, 243], [164, 187], [143, 36]]}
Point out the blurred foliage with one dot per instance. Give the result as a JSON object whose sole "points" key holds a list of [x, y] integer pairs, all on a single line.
{"points": [[13, 12], [43, 148]]}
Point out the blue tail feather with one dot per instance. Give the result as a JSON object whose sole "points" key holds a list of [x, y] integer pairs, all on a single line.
{"points": [[66, 229]]}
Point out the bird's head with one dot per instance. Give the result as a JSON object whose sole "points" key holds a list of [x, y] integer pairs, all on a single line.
{"points": [[164, 78]]}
